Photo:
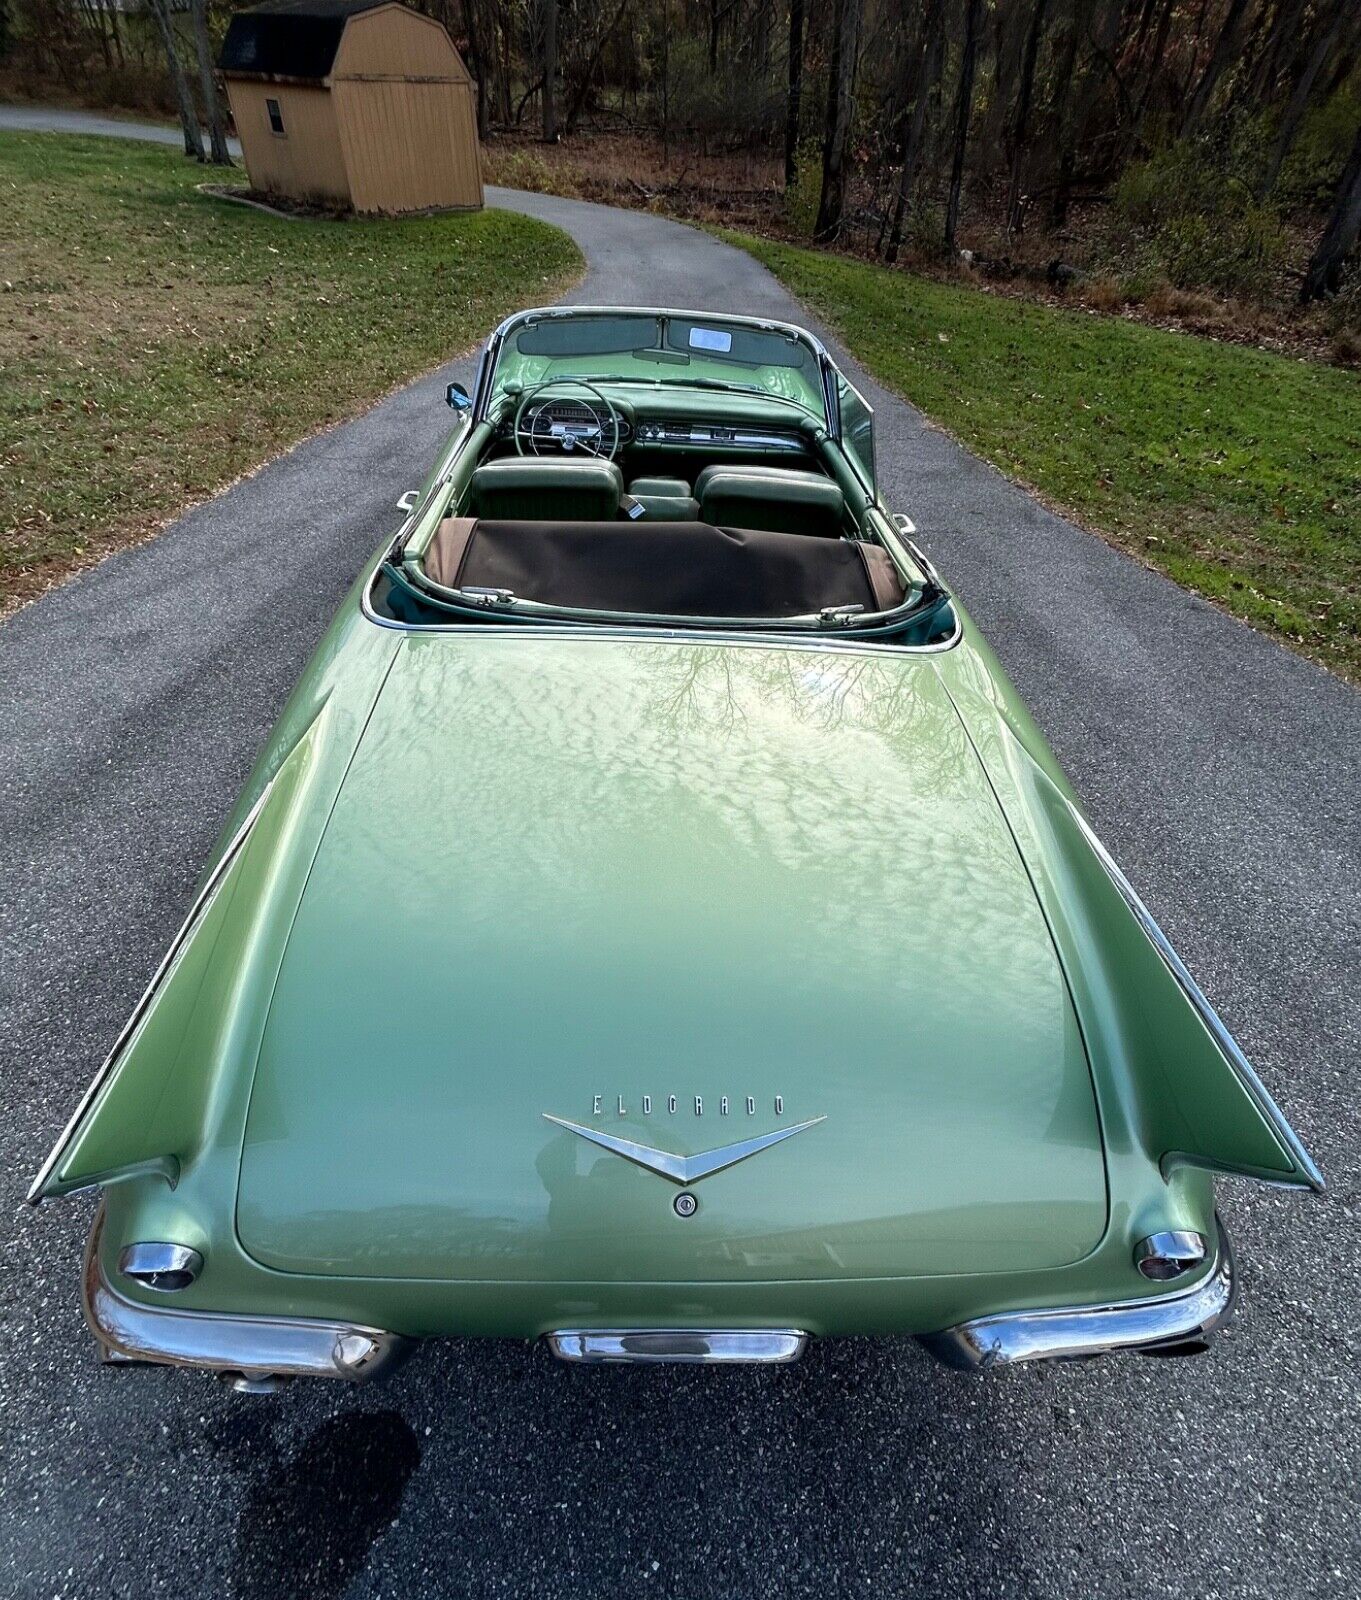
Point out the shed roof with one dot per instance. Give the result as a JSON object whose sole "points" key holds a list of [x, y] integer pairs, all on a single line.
{"points": [[289, 38]]}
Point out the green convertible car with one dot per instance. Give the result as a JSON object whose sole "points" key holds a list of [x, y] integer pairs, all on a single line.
{"points": [[656, 927]]}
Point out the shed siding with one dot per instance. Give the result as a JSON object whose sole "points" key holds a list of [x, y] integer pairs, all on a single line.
{"points": [[393, 128], [393, 42], [307, 161], [409, 146]]}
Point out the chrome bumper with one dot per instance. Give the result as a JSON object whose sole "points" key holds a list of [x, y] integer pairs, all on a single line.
{"points": [[255, 1354], [1168, 1324], [260, 1353]]}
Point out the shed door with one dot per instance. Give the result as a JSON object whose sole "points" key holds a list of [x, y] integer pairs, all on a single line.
{"points": [[408, 146]]}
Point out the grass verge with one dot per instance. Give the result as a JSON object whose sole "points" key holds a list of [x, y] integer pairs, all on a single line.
{"points": [[1236, 472], [157, 343]]}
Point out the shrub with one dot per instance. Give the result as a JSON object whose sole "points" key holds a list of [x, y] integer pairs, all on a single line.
{"points": [[1311, 172], [514, 167], [1165, 301], [1193, 219], [1103, 294], [802, 196], [1347, 346], [727, 107]]}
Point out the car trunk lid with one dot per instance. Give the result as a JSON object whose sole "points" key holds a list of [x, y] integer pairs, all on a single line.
{"points": [[684, 895]]}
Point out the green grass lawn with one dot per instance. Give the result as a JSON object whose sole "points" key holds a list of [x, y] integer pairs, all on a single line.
{"points": [[157, 343], [1236, 472]]}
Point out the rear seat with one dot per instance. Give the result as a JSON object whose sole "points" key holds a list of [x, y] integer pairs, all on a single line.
{"points": [[775, 498]]}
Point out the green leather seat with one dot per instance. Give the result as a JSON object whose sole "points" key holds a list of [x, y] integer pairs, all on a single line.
{"points": [[778, 499], [523, 489], [665, 499]]}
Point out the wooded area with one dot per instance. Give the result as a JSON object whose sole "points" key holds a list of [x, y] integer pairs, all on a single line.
{"points": [[1201, 144]]}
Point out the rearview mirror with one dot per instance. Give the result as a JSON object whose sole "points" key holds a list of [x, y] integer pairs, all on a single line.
{"points": [[456, 397]]}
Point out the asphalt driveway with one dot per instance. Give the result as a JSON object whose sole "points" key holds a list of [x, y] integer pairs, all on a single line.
{"points": [[1223, 772]]}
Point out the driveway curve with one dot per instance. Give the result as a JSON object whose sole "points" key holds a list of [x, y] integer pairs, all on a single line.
{"points": [[1222, 771]]}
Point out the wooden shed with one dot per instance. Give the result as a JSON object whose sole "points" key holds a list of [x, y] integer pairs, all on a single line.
{"points": [[361, 103]]}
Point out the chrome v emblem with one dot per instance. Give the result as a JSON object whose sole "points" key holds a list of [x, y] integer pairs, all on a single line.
{"points": [[683, 1169]]}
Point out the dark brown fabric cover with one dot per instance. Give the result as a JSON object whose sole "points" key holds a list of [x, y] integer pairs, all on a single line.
{"points": [[444, 556], [689, 569], [883, 576]]}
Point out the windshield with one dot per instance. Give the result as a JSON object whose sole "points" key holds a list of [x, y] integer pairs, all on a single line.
{"points": [[650, 350]]}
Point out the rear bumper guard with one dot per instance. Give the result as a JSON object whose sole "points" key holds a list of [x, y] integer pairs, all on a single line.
{"points": [[255, 1354], [712, 1347], [1180, 1322]]}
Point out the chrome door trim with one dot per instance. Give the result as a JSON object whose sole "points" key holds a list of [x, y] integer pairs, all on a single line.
{"points": [[688, 1346], [215, 877]]}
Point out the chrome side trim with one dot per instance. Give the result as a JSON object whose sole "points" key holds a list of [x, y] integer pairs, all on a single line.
{"points": [[201, 900], [694, 1346], [1226, 1042], [250, 1348], [1185, 1316]]}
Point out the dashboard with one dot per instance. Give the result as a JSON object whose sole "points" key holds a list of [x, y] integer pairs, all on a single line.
{"points": [[567, 424]]}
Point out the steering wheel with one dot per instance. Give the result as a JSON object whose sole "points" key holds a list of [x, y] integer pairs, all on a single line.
{"points": [[533, 429]]}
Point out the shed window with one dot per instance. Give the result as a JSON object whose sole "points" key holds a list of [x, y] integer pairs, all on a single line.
{"points": [[276, 117]]}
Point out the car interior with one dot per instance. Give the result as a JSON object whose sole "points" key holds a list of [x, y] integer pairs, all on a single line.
{"points": [[738, 540], [649, 488]]}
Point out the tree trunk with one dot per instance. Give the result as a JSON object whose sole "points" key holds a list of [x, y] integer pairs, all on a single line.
{"points": [[1298, 103], [792, 103], [846, 20], [1070, 106], [1276, 49], [94, 19], [550, 71], [584, 86], [505, 78], [117, 33], [193, 136], [1020, 125], [963, 112], [927, 72], [1136, 50], [1341, 69], [760, 44], [212, 105], [666, 84], [1323, 276], [1225, 47], [478, 65], [1153, 68]]}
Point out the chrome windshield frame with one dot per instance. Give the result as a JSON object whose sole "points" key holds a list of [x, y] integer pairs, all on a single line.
{"points": [[486, 369]]}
